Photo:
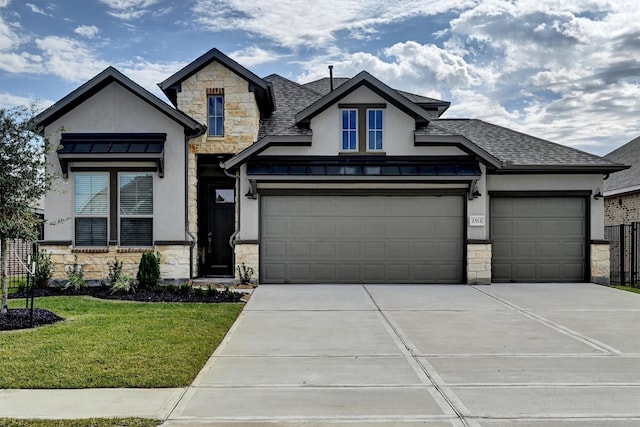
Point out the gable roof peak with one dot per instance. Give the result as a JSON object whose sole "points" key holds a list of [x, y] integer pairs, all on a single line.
{"points": [[102, 80], [261, 88]]}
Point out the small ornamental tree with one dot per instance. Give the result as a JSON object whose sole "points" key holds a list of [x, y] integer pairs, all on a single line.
{"points": [[23, 182], [148, 270]]}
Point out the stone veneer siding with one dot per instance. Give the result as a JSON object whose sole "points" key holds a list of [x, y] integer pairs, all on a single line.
{"points": [[241, 122], [600, 263], [478, 263], [622, 209], [174, 261], [249, 255]]}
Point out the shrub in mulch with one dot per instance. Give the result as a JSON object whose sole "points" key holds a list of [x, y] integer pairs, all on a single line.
{"points": [[19, 318]]}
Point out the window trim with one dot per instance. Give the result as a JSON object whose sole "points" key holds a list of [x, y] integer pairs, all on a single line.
{"points": [[106, 216], [381, 130], [349, 130], [361, 126], [210, 116]]}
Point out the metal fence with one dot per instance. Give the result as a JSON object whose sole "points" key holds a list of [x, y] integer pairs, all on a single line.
{"points": [[21, 254], [625, 257]]}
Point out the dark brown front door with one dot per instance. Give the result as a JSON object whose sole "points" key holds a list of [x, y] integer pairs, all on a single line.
{"points": [[220, 227]]}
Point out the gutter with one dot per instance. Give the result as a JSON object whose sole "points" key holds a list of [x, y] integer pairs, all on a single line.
{"points": [[237, 230]]}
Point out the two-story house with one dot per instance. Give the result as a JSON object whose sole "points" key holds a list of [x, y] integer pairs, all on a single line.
{"points": [[333, 181]]}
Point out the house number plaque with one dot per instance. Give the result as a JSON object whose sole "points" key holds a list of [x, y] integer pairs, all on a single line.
{"points": [[476, 220]]}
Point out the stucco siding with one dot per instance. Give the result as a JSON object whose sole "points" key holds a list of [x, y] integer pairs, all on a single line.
{"points": [[116, 110]]}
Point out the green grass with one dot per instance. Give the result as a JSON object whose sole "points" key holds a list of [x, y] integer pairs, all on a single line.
{"points": [[93, 422], [113, 344], [627, 288]]}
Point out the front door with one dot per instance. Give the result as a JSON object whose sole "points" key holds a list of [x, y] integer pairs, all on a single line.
{"points": [[220, 227]]}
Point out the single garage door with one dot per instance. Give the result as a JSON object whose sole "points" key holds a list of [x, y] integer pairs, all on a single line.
{"points": [[538, 239], [362, 239]]}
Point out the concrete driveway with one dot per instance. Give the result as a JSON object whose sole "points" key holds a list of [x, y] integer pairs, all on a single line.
{"points": [[500, 355]]}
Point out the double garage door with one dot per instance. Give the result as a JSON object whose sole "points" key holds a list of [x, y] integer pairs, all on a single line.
{"points": [[362, 239], [538, 239]]}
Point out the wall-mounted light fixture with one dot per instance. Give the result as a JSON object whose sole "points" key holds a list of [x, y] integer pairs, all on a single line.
{"points": [[598, 194], [474, 193], [253, 190]]}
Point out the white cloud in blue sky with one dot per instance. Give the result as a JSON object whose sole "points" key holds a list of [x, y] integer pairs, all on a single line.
{"points": [[567, 71]]}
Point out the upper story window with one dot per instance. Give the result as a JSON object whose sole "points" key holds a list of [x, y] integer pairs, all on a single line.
{"points": [[362, 128], [374, 130], [216, 115], [349, 130]]}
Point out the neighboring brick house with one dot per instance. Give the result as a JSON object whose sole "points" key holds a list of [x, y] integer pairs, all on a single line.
{"points": [[343, 180], [622, 189]]}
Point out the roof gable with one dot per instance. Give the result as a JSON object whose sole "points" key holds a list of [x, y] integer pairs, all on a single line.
{"points": [[261, 88], [363, 79], [101, 81], [624, 181]]}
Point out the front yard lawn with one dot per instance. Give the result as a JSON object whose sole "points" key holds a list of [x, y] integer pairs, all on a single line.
{"points": [[113, 344], [627, 288]]}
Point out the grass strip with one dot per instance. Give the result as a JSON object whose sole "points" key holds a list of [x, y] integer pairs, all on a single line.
{"points": [[92, 422], [114, 344]]}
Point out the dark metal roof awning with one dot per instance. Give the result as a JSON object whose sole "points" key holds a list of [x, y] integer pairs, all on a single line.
{"points": [[449, 168], [101, 147]]}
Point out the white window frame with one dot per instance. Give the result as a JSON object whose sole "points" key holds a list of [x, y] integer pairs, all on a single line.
{"points": [[381, 130], [343, 130]]}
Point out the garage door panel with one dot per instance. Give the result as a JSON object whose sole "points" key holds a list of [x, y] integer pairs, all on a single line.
{"points": [[357, 239], [538, 239]]}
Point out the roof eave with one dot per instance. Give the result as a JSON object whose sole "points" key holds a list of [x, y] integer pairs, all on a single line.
{"points": [[459, 141], [508, 168], [266, 142]]}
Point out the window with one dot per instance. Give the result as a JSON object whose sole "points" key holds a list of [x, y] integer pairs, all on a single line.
{"points": [[216, 115], [91, 208], [349, 130], [136, 209], [361, 127], [374, 130]]}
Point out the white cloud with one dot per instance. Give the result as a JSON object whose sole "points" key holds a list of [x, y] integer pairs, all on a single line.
{"points": [[9, 39], [69, 59], [36, 9], [9, 100], [4, 3], [129, 9], [89, 31], [318, 23], [253, 55]]}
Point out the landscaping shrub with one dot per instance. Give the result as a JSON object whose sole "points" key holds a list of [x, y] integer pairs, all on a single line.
{"points": [[124, 284], [75, 276], [148, 271], [115, 270], [44, 269], [245, 274]]}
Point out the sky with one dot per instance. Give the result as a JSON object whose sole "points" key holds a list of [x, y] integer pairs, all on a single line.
{"points": [[563, 70]]}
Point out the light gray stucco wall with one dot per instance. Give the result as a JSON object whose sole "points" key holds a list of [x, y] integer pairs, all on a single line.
{"points": [[116, 110]]}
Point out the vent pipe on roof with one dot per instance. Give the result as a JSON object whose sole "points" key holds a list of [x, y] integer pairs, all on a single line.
{"points": [[331, 77]]}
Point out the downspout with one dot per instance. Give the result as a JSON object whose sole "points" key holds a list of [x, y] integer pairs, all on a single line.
{"points": [[237, 231], [193, 239]]}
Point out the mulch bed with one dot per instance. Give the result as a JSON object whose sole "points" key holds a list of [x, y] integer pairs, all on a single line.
{"points": [[20, 319]]}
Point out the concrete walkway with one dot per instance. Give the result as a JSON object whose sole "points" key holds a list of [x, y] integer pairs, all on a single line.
{"points": [[500, 355]]}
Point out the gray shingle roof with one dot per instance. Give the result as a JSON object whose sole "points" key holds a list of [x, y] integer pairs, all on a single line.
{"points": [[290, 98], [515, 148], [628, 154]]}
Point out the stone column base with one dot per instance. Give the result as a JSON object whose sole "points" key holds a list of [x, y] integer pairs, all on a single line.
{"points": [[478, 263], [248, 254], [600, 263]]}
